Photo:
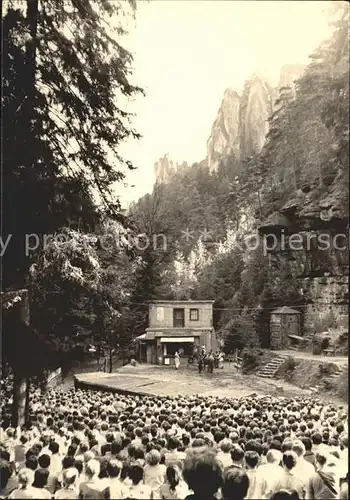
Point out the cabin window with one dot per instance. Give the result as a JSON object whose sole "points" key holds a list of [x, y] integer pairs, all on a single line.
{"points": [[179, 318], [194, 314], [160, 313]]}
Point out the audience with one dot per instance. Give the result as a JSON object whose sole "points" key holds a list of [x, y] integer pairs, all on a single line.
{"points": [[93, 445]]}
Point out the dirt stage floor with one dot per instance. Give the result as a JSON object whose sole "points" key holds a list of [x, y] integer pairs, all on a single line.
{"points": [[166, 381]]}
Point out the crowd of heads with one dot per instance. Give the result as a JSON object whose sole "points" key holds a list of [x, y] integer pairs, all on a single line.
{"points": [[85, 444]]}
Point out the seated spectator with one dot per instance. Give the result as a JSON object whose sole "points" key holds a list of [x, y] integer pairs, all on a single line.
{"points": [[154, 471], [138, 490], [55, 459], [303, 469], [92, 488], [12, 481], [5, 474], [288, 480], [285, 495], [40, 483], [236, 484], [257, 483], [237, 456], [203, 475], [173, 456], [31, 463], [271, 471], [25, 488], [323, 483], [44, 463], [317, 444], [309, 455], [174, 486], [20, 449], [344, 456], [224, 455], [69, 489], [116, 487]]}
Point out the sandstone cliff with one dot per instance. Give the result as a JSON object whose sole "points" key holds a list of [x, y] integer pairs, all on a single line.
{"points": [[225, 134], [166, 167], [242, 120], [320, 259], [255, 109]]}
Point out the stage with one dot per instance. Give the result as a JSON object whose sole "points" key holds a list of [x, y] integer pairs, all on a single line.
{"points": [[152, 380], [117, 383]]}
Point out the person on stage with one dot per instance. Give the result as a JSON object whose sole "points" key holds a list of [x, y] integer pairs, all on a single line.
{"points": [[177, 360], [200, 363]]}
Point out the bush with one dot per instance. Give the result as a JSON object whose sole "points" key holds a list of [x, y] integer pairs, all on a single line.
{"points": [[287, 369], [325, 343], [250, 360], [342, 389], [326, 369], [290, 364], [341, 344], [329, 385]]}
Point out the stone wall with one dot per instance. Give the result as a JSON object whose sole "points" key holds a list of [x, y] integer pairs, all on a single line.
{"points": [[318, 256], [328, 305]]}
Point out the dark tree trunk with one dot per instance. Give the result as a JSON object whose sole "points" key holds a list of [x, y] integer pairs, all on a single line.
{"points": [[110, 360], [20, 410]]}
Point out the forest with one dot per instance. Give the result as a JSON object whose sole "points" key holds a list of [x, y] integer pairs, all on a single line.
{"points": [[59, 89]]}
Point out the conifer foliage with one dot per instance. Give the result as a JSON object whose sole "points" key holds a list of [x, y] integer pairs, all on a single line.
{"points": [[65, 85]]}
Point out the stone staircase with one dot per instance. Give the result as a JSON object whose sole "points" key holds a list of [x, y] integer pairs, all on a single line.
{"points": [[270, 369]]}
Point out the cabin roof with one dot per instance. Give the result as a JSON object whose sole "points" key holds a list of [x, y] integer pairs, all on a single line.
{"points": [[181, 302], [285, 310]]}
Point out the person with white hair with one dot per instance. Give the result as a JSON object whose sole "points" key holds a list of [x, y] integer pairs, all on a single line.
{"points": [[224, 455], [303, 469], [154, 471], [93, 488], [272, 472], [25, 488], [68, 490], [289, 480]]}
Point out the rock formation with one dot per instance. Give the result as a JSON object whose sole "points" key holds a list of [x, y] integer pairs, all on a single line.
{"points": [[166, 167], [241, 124], [225, 135], [256, 107], [320, 259]]}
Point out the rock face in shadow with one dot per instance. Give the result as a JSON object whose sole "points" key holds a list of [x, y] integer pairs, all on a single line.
{"points": [[312, 242], [241, 124]]}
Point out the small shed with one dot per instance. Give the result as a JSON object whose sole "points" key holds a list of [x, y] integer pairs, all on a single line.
{"points": [[285, 324]]}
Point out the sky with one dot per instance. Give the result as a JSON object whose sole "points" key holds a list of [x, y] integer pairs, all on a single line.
{"points": [[187, 52]]}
